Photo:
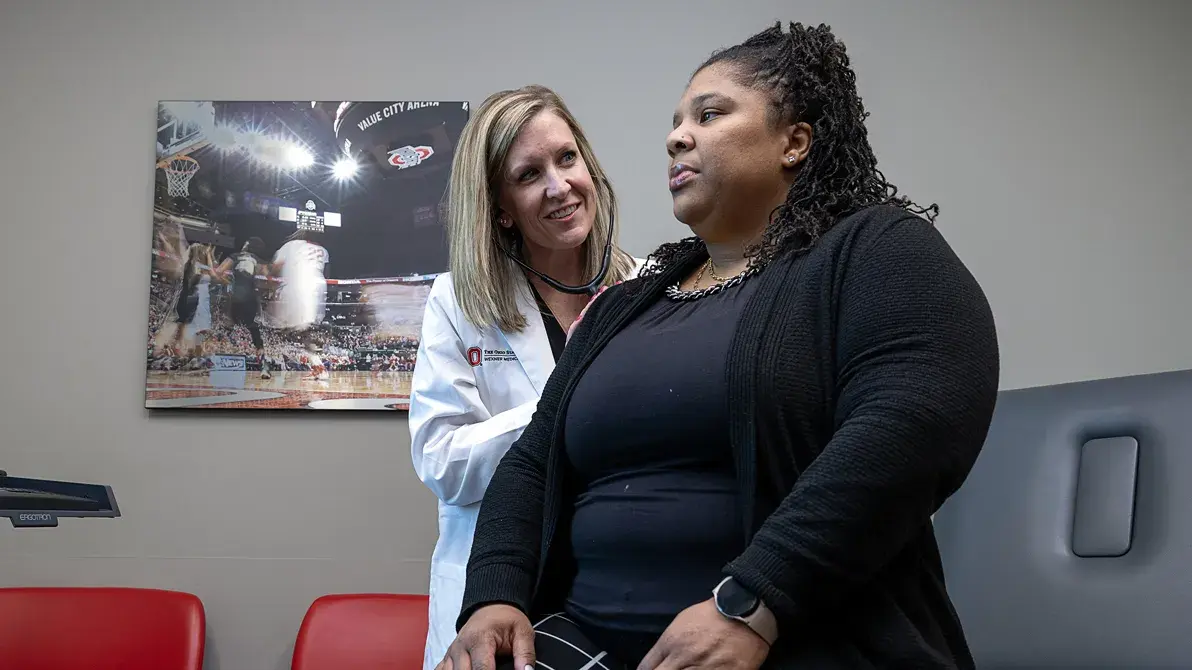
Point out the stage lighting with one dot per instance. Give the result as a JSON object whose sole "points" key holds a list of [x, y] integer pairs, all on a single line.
{"points": [[299, 157], [224, 138], [344, 168]]}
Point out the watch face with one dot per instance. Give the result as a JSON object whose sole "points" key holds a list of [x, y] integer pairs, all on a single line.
{"points": [[734, 600]]}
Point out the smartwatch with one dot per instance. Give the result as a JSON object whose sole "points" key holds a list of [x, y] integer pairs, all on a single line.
{"points": [[738, 603]]}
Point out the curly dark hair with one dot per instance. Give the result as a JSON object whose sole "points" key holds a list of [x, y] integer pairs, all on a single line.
{"points": [[808, 74], [254, 245]]}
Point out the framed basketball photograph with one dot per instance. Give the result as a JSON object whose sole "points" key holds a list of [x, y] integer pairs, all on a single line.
{"points": [[294, 245]]}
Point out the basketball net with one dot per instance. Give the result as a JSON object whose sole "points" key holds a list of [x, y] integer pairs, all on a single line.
{"points": [[179, 171]]}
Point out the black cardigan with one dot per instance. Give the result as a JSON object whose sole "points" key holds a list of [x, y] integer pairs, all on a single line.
{"points": [[862, 381]]}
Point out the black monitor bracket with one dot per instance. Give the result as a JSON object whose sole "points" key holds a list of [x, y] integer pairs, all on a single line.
{"points": [[34, 503]]}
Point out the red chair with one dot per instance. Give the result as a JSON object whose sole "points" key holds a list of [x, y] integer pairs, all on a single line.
{"points": [[100, 628], [363, 631]]}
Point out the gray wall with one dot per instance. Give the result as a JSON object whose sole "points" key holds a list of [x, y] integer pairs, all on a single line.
{"points": [[1053, 135]]}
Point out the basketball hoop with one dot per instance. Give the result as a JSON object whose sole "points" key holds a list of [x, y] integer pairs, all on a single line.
{"points": [[179, 170]]}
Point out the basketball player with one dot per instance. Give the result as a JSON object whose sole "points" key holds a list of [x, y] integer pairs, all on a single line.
{"points": [[318, 368], [192, 309], [173, 261], [302, 299], [245, 304]]}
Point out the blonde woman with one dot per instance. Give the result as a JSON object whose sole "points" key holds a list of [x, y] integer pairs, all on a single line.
{"points": [[530, 219]]}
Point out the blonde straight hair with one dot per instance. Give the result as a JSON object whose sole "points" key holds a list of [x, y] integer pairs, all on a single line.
{"points": [[486, 281]]}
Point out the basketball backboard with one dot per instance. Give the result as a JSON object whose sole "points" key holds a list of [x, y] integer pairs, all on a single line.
{"points": [[183, 126]]}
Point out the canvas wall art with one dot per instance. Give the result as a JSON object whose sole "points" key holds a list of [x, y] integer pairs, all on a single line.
{"points": [[294, 245]]}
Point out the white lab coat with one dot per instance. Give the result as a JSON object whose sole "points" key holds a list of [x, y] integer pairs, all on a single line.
{"points": [[463, 417]]}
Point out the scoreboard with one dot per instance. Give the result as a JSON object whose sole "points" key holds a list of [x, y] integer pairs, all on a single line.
{"points": [[309, 218]]}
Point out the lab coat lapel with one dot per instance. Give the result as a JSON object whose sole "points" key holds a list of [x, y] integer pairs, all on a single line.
{"points": [[531, 345]]}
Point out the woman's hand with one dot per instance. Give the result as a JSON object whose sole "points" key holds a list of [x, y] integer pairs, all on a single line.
{"points": [[491, 631], [701, 638], [585, 311]]}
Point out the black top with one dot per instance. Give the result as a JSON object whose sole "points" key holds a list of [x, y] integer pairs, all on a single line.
{"points": [[188, 297], [244, 281], [554, 331], [190, 278], [658, 481], [861, 381]]}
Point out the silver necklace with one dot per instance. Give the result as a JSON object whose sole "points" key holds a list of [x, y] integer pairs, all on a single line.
{"points": [[675, 293]]}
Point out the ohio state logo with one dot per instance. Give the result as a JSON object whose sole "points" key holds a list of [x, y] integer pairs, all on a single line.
{"points": [[407, 157], [475, 356]]}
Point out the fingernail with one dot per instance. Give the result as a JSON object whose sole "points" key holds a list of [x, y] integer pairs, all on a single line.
{"points": [[529, 667]]}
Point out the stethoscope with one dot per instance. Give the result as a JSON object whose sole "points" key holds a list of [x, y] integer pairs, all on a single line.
{"points": [[591, 287]]}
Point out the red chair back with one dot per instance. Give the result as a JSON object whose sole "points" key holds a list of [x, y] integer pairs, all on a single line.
{"points": [[100, 628], [364, 631]]}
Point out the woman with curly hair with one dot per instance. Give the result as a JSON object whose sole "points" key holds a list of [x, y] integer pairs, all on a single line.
{"points": [[737, 458]]}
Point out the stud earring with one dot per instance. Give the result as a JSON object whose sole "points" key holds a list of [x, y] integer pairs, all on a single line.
{"points": [[790, 159]]}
